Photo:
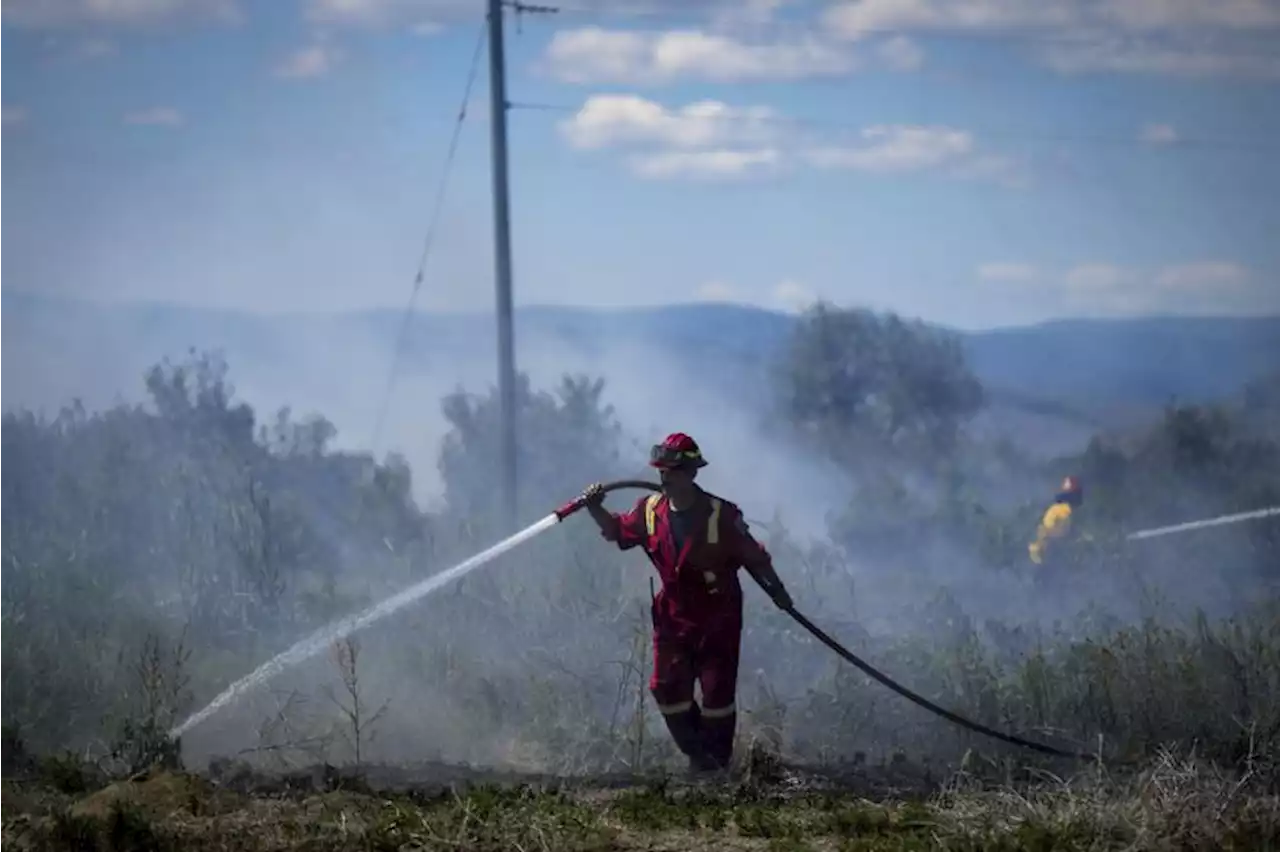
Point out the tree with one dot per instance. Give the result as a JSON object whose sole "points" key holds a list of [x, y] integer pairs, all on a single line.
{"points": [[886, 400], [867, 389], [1198, 459], [1261, 405], [194, 398], [566, 439], [174, 515]]}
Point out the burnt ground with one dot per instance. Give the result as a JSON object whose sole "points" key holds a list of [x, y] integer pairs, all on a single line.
{"points": [[763, 806], [757, 769]]}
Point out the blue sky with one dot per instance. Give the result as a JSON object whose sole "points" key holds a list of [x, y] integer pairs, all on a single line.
{"points": [[974, 162]]}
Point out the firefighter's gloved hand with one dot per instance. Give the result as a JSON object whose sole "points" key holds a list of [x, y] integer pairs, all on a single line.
{"points": [[593, 495]]}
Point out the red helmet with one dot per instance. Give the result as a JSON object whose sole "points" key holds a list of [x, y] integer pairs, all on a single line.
{"points": [[1071, 491], [677, 450]]}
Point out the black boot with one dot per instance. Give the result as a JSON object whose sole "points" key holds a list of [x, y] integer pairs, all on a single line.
{"points": [[686, 732]]}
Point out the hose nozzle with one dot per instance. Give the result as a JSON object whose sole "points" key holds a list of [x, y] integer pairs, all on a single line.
{"points": [[569, 508], [578, 503]]}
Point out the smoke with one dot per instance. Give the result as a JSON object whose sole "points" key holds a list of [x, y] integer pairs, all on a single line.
{"points": [[554, 633]]}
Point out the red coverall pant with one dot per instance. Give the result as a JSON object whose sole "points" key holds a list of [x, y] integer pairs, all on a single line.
{"points": [[697, 620], [708, 656]]}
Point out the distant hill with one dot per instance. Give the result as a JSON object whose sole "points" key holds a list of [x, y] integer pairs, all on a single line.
{"points": [[1144, 361], [1056, 382]]}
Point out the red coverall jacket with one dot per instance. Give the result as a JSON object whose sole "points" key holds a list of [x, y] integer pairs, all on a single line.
{"points": [[697, 617]]}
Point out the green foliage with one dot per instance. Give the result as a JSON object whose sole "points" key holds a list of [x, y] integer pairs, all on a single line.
{"points": [[865, 389], [66, 773], [170, 520], [1260, 405], [887, 401], [152, 554], [567, 439], [1174, 804]]}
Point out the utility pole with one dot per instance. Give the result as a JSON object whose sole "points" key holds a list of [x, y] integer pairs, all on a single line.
{"points": [[498, 106], [502, 261]]}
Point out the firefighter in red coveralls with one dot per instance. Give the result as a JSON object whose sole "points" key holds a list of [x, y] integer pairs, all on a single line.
{"points": [[697, 542]]}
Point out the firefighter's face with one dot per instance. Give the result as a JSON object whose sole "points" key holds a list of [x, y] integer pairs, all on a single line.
{"points": [[674, 478]]}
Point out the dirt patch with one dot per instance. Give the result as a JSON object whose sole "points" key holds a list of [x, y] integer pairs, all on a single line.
{"points": [[756, 769], [157, 797]]}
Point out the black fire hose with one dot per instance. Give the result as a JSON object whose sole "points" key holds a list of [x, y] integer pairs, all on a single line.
{"points": [[576, 504]]}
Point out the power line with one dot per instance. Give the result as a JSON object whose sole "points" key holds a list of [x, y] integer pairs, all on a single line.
{"points": [[429, 239], [1089, 139]]}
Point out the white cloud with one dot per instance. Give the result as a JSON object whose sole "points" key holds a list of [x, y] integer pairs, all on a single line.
{"points": [[307, 63], [1211, 286], [155, 117], [1195, 58], [738, 14], [70, 14], [793, 296], [1104, 288], [13, 115], [1205, 277], [704, 140], [1176, 37], [412, 13], [606, 120], [901, 149], [1154, 15], [1008, 273], [715, 291], [713, 139], [597, 55], [901, 53], [1158, 134], [857, 18], [714, 164], [897, 148]]}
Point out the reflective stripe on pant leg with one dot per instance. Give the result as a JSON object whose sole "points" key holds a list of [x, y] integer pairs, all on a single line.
{"points": [[686, 732], [672, 687], [717, 670], [719, 712]]}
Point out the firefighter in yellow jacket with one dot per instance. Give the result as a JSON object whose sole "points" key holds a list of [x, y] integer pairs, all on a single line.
{"points": [[1055, 525]]}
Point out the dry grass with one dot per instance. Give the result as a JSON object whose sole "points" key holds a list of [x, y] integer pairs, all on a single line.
{"points": [[1176, 803]]}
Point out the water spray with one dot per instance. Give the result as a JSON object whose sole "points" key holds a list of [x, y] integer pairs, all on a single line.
{"points": [[1210, 522], [341, 629], [324, 637], [318, 641]]}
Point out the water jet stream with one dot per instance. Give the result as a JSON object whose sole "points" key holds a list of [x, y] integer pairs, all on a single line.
{"points": [[342, 628], [322, 638], [1208, 522]]}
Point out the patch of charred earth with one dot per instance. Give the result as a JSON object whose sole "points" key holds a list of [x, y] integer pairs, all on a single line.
{"points": [[429, 779]]}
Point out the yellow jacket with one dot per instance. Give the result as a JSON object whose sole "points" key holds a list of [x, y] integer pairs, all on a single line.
{"points": [[1055, 524]]}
